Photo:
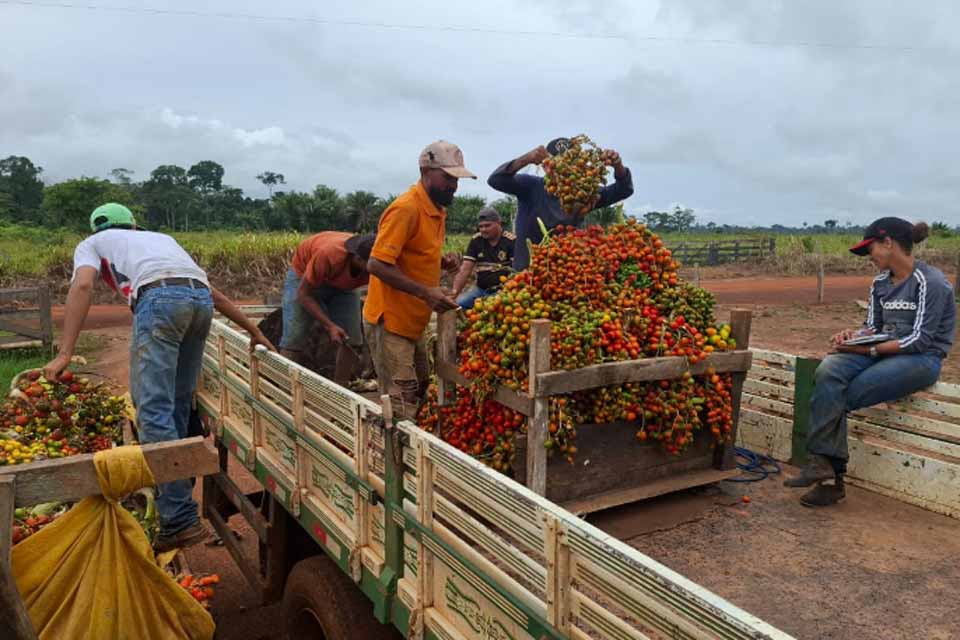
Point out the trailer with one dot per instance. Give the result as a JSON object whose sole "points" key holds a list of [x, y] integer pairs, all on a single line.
{"points": [[370, 527]]}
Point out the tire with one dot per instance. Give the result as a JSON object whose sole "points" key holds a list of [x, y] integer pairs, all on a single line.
{"points": [[320, 602]]}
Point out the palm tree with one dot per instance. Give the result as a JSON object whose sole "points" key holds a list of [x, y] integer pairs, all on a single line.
{"points": [[363, 209]]}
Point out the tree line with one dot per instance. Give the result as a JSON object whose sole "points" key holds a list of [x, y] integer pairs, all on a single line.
{"points": [[174, 198]]}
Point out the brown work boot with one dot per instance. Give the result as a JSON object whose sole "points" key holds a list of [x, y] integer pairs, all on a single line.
{"points": [[818, 468], [824, 495], [194, 534]]}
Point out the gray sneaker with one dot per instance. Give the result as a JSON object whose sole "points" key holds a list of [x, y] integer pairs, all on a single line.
{"points": [[818, 469], [194, 534], [824, 495]]}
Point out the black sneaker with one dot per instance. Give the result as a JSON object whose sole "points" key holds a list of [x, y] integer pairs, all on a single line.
{"points": [[824, 495], [194, 534], [818, 468]]}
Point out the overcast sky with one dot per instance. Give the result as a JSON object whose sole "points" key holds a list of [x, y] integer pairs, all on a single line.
{"points": [[748, 111]]}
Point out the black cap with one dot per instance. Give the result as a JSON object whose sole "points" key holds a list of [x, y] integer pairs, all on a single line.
{"points": [[488, 214], [361, 245], [893, 228], [558, 146]]}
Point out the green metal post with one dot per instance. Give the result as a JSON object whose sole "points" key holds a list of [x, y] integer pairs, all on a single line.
{"points": [[802, 392]]}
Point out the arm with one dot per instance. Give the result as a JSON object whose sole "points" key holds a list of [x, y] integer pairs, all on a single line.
{"points": [[78, 304], [934, 300], [505, 179], [336, 333], [460, 281], [225, 306], [393, 276], [622, 188]]}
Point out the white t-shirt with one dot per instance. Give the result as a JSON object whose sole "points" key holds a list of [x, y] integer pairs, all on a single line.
{"points": [[128, 259]]}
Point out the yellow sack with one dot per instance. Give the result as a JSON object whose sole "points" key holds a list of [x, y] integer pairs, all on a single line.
{"points": [[91, 573]]}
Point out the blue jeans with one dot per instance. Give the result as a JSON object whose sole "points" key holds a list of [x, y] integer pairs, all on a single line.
{"points": [[847, 382], [170, 326], [341, 306], [471, 295]]}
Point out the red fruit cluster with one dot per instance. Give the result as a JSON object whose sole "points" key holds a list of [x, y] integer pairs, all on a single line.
{"points": [[576, 175]]}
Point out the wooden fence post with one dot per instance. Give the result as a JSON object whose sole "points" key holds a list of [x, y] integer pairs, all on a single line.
{"points": [[820, 278], [540, 420], [696, 274], [46, 322]]}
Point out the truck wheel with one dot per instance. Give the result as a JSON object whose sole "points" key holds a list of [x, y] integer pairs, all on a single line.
{"points": [[320, 602]]}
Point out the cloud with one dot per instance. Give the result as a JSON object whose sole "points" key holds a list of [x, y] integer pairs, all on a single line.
{"points": [[746, 109]]}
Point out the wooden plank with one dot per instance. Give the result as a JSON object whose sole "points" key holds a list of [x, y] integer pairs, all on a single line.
{"points": [[21, 329], [909, 423], [773, 357], [945, 389], [46, 320], [16, 343], [740, 323], [74, 478], [616, 373], [17, 294], [250, 513], [767, 404], [232, 546], [506, 397], [446, 351], [14, 620], [7, 494], [659, 487], [764, 389], [936, 407], [780, 375], [609, 458], [537, 431]]}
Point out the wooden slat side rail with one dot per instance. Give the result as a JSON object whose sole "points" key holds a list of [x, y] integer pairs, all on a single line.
{"points": [[74, 478], [615, 373], [506, 397]]}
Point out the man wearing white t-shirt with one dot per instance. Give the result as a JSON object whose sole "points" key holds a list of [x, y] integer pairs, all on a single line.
{"points": [[172, 304]]}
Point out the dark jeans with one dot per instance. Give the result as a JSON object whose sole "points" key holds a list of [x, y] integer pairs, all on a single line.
{"points": [[170, 327], [846, 382]]}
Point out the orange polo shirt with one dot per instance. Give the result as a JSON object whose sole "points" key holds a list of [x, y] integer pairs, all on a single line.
{"points": [[410, 236], [322, 259]]}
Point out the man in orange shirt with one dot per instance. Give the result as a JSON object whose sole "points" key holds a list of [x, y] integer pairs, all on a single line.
{"points": [[405, 266], [320, 290]]}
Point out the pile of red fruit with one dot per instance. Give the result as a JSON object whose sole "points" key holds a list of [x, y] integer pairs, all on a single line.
{"points": [[611, 295], [45, 419]]}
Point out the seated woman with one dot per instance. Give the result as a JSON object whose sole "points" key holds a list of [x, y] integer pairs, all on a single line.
{"points": [[912, 314]]}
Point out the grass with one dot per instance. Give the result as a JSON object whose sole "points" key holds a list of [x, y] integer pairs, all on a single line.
{"points": [[14, 361], [30, 255]]}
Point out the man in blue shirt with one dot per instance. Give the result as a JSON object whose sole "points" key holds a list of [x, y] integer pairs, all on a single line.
{"points": [[534, 202]]}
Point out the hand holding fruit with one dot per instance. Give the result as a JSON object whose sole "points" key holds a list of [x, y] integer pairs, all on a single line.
{"points": [[537, 155], [439, 299], [52, 370], [612, 158]]}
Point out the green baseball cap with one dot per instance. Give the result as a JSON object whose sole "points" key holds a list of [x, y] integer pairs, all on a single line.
{"points": [[110, 215]]}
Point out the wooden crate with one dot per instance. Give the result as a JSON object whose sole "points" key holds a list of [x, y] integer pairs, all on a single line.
{"points": [[611, 467]]}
